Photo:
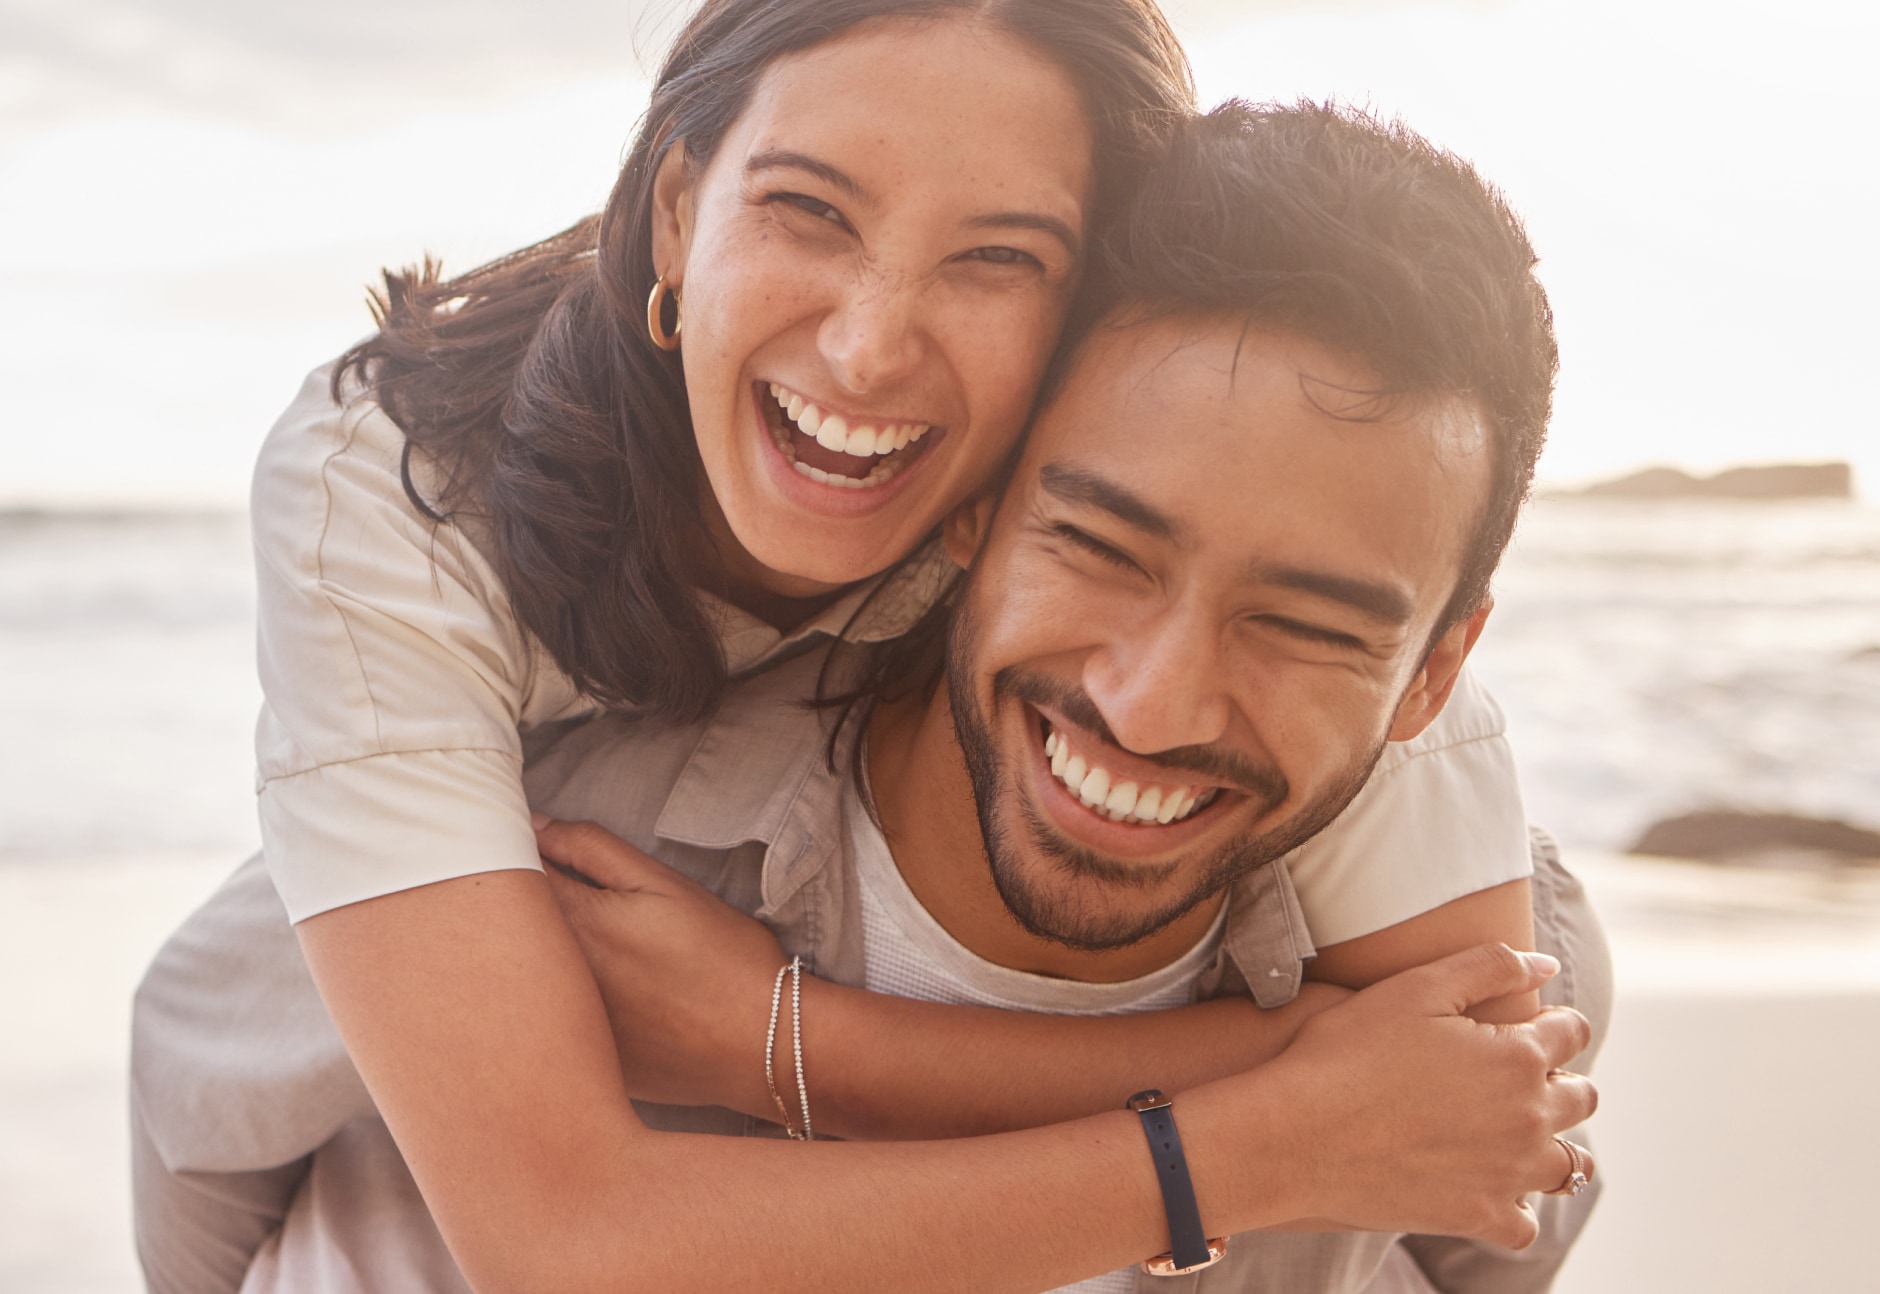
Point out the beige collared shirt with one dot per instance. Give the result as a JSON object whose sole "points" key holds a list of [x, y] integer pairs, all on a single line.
{"points": [[399, 686], [400, 690]]}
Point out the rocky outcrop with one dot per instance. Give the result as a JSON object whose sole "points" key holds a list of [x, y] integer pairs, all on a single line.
{"points": [[1723, 836], [1776, 481]]}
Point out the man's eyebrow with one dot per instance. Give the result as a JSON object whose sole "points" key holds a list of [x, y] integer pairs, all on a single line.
{"points": [[1378, 601], [785, 158], [1082, 486], [1051, 225]]}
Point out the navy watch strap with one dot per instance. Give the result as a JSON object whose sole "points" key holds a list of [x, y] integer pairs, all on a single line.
{"points": [[1188, 1241]]}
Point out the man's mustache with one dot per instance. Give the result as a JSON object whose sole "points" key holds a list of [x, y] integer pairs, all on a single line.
{"points": [[1233, 770]]}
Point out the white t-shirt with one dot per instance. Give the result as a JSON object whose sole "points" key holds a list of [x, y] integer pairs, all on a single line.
{"points": [[1441, 817], [909, 954], [398, 684]]}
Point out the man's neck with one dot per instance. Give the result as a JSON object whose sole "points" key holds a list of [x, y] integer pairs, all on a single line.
{"points": [[924, 796]]}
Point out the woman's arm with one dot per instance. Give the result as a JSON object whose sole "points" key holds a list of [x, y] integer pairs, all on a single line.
{"points": [[686, 982], [891, 1067], [479, 1030], [1500, 914]]}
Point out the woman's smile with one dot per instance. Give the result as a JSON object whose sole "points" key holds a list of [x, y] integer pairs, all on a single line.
{"points": [[850, 451], [810, 478]]}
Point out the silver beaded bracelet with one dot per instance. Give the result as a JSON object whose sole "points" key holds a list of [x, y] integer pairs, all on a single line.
{"points": [[795, 971]]}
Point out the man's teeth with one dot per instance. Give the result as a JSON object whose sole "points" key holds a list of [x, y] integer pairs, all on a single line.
{"points": [[1121, 800], [832, 431]]}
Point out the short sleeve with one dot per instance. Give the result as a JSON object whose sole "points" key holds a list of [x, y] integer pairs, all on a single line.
{"points": [[1441, 817], [395, 677]]}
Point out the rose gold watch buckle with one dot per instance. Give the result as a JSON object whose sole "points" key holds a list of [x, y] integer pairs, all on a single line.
{"points": [[1164, 1264]]}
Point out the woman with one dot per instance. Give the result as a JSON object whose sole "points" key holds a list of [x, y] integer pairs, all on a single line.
{"points": [[855, 230]]}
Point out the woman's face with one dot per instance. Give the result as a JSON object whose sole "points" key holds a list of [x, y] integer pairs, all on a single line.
{"points": [[874, 268]]}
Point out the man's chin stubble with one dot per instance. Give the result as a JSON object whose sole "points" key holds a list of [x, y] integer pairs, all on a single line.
{"points": [[1069, 917], [1059, 920]]}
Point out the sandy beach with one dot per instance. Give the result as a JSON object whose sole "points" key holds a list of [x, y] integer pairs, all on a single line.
{"points": [[1736, 1136]]}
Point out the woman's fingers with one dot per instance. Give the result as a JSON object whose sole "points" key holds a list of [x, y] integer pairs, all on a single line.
{"points": [[596, 854], [1571, 1099], [1453, 984], [1562, 1032], [1517, 1229]]}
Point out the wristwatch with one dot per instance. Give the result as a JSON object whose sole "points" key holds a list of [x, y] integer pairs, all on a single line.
{"points": [[1190, 1248]]}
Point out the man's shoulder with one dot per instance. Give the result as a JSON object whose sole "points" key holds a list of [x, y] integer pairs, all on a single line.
{"points": [[1470, 716], [705, 782]]}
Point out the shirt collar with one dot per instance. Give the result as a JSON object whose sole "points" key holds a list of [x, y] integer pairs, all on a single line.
{"points": [[764, 772], [875, 610], [761, 773]]}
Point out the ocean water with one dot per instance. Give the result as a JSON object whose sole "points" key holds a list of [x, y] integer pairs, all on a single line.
{"points": [[1656, 658], [1652, 658], [127, 685]]}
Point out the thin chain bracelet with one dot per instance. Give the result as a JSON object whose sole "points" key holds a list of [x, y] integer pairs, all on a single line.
{"points": [[795, 970], [796, 1042], [770, 1050]]}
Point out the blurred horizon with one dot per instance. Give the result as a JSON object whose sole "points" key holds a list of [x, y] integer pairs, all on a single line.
{"points": [[194, 193]]}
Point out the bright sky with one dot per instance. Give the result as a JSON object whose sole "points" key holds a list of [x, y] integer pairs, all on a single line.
{"points": [[193, 191]]}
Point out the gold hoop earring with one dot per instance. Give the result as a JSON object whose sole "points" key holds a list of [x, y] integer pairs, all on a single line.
{"points": [[656, 316]]}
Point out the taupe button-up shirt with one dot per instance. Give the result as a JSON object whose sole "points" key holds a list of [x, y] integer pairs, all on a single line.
{"points": [[236, 1066]]}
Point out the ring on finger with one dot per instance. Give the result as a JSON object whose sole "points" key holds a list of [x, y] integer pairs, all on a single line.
{"points": [[1579, 1165]]}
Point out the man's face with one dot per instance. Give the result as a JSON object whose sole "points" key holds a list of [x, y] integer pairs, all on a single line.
{"points": [[1199, 611]]}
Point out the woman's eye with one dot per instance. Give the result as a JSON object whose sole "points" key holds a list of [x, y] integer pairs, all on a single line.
{"points": [[1004, 256], [814, 206]]}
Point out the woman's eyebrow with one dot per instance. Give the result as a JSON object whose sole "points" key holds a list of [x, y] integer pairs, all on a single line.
{"points": [[788, 159], [1058, 229]]}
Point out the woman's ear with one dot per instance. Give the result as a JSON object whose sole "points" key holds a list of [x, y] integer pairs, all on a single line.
{"points": [[964, 531], [672, 214], [1429, 693]]}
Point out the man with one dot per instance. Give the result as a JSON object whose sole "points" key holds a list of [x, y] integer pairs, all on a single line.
{"points": [[1247, 546]]}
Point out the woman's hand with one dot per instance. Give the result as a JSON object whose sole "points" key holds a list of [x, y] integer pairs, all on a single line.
{"points": [[1425, 1120], [686, 977]]}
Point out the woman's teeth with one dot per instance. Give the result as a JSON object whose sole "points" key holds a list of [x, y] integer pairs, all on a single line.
{"points": [[834, 433], [1120, 800]]}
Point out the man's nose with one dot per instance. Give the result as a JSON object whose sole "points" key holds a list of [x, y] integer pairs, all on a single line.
{"points": [[1160, 683], [873, 338]]}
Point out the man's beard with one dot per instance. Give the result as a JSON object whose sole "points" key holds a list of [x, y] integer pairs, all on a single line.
{"points": [[1063, 913]]}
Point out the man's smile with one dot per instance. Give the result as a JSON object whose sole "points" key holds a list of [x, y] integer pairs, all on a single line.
{"points": [[1119, 804], [1117, 795]]}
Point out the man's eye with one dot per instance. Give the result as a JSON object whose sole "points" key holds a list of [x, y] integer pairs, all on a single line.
{"points": [[1089, 543], [1305, 632]]}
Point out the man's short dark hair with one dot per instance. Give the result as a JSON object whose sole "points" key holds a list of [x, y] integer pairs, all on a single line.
{"points": [[1326, 222]]}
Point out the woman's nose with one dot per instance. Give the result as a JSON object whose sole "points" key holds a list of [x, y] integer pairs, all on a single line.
{"points": [[873, 338]]}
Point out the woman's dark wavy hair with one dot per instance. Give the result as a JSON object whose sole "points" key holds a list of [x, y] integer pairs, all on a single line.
{"points": [[565, 433]]}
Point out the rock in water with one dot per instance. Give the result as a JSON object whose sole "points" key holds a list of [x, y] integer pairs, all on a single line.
{"points": [[1776, 481], [1724, 836]]}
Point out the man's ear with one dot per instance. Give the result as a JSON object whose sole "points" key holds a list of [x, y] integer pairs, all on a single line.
{"points": [[1429, 691], [672, 214], [964, 531]]}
